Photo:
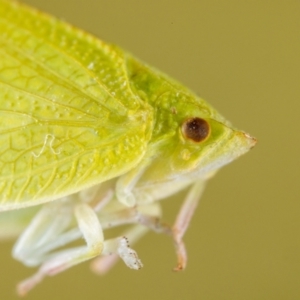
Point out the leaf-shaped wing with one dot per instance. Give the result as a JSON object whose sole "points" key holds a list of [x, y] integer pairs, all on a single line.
{"points": [[68, 118]]}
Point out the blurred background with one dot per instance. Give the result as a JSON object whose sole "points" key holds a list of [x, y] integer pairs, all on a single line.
{"points": [[244, 241]]}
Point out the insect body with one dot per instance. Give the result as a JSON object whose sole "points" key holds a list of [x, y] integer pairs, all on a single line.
{"points": [[86, 124]]}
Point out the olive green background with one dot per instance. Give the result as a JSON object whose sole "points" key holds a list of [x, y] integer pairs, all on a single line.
{"points": [[244, 241]]}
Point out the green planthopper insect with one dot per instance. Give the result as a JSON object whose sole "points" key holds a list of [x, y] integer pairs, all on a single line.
{"points": [[91, 139]]}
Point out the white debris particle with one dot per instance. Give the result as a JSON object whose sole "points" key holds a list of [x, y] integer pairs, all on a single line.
{"points": [[91, 66]]}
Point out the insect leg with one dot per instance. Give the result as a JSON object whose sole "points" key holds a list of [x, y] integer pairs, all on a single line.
{"points": [[183, 219], [91, 230], [51, 228], [118, 248], [127, 182], [47, 224], [143, 217]]}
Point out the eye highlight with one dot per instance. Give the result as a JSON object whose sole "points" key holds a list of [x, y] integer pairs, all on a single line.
{"points": [[195, 129]]}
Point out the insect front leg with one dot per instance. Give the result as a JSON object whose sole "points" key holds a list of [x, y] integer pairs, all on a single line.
{"points": [[115, 249], [161, 190], [183, 219], [144, 218], [127, 182]]}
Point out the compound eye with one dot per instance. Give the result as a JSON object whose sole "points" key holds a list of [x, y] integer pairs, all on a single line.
{"points": [[195, 129]]}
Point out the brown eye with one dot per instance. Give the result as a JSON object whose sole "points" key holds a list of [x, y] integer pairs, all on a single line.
{"points": [[195, 129]]}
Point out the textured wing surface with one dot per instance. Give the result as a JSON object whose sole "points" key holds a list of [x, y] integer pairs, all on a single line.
{"points": [[68, 118]]}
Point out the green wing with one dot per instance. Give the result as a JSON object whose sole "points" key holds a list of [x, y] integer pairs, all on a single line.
{"points": [[68, 118]]}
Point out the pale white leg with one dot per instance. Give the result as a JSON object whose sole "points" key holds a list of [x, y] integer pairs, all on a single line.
{"points": [[155, 224], [91, 230], [151, 221], [49, 228], [147, 215], [103, 264], [133, 216], [47, 225], [127, 182], [119, 248], [108, 196], [183, 219]]}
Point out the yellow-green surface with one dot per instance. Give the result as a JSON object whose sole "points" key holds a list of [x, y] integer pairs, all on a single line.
{"points": [[244, 240]]}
